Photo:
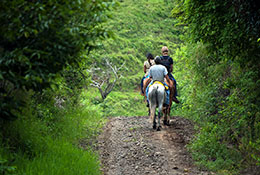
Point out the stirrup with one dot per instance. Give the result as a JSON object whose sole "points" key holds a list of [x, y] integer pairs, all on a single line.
{"points": [[175, 100]]}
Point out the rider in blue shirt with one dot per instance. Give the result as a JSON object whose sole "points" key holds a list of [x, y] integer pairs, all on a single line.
{"points": [[158, 73]]}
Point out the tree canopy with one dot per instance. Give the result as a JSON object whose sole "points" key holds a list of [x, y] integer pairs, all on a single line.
{"points": [[38, 39]]}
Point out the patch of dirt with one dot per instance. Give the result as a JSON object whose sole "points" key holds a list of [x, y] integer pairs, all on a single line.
{"points": [[129, 145]]}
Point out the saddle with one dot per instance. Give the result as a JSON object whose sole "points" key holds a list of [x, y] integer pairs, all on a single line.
{"points": [[158, 82]]}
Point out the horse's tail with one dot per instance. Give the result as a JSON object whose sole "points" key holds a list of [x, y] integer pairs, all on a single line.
{"points": [[160, 96], [153, 95], [156, 95]]}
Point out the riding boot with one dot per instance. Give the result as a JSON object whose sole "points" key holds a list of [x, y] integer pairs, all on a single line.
{"points": [[175, 100]]}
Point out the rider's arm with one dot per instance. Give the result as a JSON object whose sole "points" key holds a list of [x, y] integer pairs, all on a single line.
{"points": [[171, 64], [146, 84], [144, 69], [171, 67]]}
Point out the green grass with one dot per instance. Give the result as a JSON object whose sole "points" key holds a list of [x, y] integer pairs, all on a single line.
{"points": [[125, 104], [60, 158], [50, 145], [118, 103]]}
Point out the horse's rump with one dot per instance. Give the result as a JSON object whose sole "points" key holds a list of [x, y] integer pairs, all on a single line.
{"points": [[156, 94]]}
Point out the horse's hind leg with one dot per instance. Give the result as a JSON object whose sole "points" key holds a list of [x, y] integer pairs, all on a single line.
{"points": [[154, 124], [160, 109], [154, 121], [168, 111], [165, 112], [166, 118], [159, 123], [152, 115]]}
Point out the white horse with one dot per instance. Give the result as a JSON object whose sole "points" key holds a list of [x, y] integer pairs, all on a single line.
{"points": [[156, 95]]}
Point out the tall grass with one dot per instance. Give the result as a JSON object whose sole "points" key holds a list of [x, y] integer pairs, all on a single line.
{"points": [[60, 157], [50, 144]]}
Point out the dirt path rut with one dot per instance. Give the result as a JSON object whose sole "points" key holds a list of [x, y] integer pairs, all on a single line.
{"points": [[129, 145]]}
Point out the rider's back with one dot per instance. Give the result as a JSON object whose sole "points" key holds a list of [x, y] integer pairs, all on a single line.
{"points": [[158, 72], [166, 61]]}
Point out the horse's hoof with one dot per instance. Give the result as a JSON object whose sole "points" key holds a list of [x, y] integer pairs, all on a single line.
{"points": [[154, 126], [159, 128], [166, 122]]}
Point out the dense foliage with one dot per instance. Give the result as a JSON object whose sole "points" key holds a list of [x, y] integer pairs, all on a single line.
{"points": [[43, 48], [50, 138], [221, 86], [38, 39], [48, 47]]}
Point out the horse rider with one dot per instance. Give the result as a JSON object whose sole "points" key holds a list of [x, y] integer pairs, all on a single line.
{"points": [[147, 64], [158, 73], [167, 61]]}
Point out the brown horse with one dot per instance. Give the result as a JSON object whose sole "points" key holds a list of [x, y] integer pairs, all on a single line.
{"points": [[167, 111]]}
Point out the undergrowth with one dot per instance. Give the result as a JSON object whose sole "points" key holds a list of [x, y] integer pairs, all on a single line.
{"points": [[219, 99], [49, 144]]}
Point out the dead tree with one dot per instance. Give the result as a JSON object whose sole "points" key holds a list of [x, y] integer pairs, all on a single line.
{"points": [[103, 79]]}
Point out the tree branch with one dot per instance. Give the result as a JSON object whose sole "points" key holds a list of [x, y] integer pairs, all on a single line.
{"points": [[99, 81]]}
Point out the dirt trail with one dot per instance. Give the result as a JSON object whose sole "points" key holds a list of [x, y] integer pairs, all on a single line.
{"points": [[129, 145]]}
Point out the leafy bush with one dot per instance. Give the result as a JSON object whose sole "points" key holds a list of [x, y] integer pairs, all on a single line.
{"points": [[48, 139], [222, 92], [39, 39], [221, 97]]}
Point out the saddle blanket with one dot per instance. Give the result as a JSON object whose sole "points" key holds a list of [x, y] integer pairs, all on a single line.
{"points": [[167, 100], [158, 82]]}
